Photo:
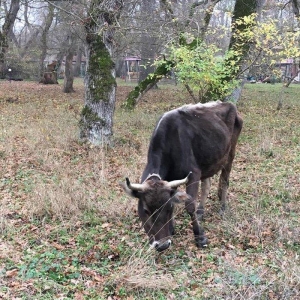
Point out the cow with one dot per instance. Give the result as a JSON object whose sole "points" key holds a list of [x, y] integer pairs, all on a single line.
{"points": [[189, 145]]}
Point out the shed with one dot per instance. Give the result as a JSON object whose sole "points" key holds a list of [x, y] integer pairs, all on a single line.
{"points": [[132, 65]]}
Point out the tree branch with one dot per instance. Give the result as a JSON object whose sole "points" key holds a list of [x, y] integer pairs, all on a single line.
{"points": [[190, 91], [144, 86]]}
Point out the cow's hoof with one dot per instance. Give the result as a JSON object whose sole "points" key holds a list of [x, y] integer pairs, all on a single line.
{"points": [[163, 246], [200, 214], [223, 212], [202, 243]]}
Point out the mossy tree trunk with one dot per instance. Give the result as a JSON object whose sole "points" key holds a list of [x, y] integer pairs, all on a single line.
{"points": [[96, 124], [149, 82], [296, 10], [239, 47]]}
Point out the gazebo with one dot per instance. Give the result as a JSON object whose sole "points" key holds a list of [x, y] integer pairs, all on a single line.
{"points": [[132, 65]]}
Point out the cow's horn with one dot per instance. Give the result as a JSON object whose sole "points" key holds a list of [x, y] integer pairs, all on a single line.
{"points": [[136, 186], [176, 183]]}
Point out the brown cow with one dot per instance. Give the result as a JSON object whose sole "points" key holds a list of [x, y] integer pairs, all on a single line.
{"points": [[193, 142]]}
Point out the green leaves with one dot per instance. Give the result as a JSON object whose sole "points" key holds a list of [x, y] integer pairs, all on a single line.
{"points": [[210, 74], [201, 68]]}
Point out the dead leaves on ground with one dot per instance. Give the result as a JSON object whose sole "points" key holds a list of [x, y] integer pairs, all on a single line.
{"points": [[251, 243]]}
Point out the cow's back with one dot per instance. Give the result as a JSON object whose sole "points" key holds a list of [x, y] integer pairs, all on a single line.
{"points": [[197, 136]]}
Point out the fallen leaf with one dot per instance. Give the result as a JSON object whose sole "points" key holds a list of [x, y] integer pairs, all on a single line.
{"points": [[105, 225], [58, 246], [11, 273]]}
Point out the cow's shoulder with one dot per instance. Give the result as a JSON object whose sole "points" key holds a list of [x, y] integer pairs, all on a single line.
{"points": [[193, 113], [209, 111], [213, 107]]}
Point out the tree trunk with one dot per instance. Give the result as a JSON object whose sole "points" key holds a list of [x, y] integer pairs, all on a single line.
{"points": [[100, 85], [296, 10], [147, 58], [77, 67], [5, 31], [147, 45], [69, 78], [240, 49], [296, 7], [48, 22]]}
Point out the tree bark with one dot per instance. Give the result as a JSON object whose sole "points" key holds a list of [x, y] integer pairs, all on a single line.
{"points": [[6, 29], [290, 80], [240, 49], [69, 78], [296, 10], [48, 22], [77, 67], [96, 122], [296, 7]]}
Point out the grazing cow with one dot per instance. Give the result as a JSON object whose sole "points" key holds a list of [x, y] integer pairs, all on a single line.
{"points": [[193, 142]]}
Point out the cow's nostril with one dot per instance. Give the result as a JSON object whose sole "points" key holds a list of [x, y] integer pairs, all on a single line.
{"points": [[163, 246]]}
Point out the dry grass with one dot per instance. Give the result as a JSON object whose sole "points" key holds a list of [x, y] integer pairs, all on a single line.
{"points": [[141, 272], [49, 181]]}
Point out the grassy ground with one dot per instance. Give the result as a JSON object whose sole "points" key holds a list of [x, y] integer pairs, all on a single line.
{"points": [[69, 232]]}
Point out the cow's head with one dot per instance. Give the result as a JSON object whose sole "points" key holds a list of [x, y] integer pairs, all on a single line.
{"points": [[156, 205]]}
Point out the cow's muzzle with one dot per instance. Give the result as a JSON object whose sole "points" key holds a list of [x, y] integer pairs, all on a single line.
{"points": [[161, 246]]}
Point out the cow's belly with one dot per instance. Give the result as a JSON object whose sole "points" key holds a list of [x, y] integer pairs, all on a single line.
{"points": [[212, 169]]}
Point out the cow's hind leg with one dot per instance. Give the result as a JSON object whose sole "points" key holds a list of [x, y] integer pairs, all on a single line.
{"points": [[222, 190], [205, 188], [223, 185], [225, 173], [190, 205]]}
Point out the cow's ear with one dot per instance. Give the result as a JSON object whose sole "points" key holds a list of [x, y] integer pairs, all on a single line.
{"points": [[181, 197]]}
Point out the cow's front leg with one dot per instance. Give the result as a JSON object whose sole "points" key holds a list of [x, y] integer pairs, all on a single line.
{"points": [[190, 205], [205, 188]]}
